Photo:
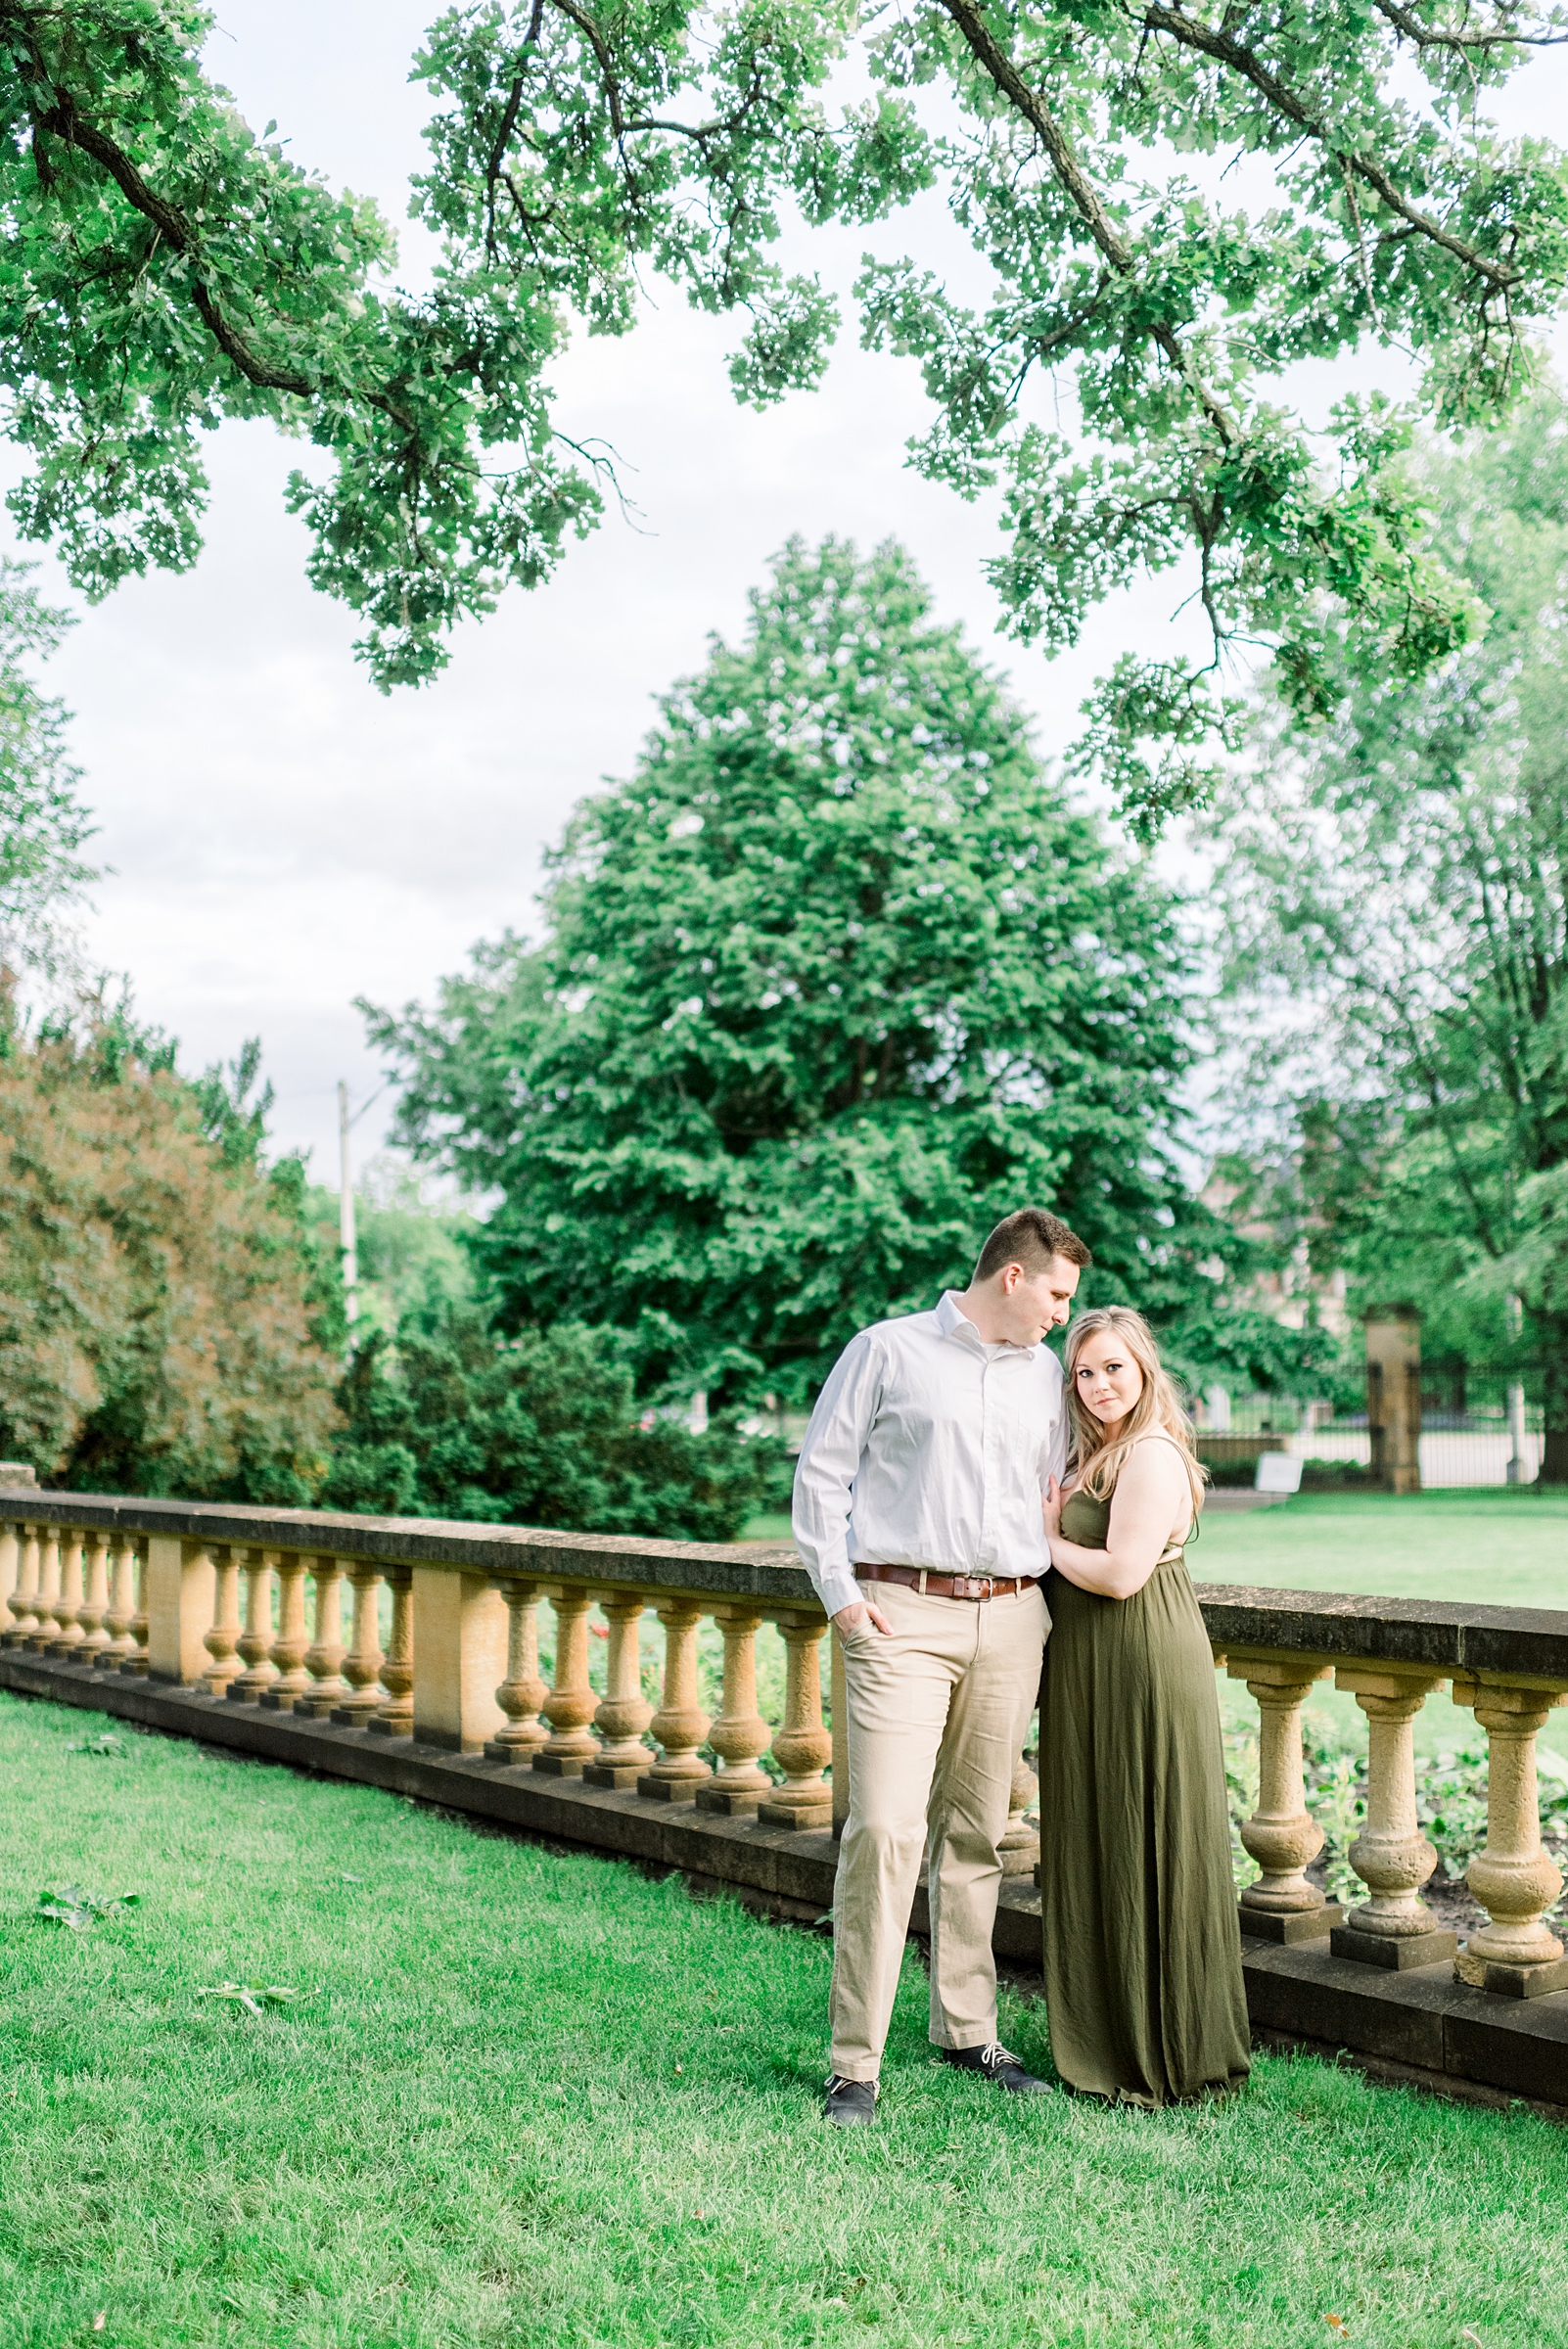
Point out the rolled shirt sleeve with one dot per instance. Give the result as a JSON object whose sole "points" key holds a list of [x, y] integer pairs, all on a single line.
{"points": [[825, 1471]]}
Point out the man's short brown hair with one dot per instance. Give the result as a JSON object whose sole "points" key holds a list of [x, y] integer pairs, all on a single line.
{"points": [[1032, 1238]]}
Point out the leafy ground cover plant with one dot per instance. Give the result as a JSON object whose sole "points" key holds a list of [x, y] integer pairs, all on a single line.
{"points": [[73, 1906]]}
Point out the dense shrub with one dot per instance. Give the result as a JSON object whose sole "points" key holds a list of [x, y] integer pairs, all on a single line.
{"points": [[541, 1429]]}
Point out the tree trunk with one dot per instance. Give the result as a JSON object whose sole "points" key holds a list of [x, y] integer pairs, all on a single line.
{"points": [[1555, 1459]]}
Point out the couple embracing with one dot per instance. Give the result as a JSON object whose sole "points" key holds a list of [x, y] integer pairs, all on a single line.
{"points": [[947, 1468]]}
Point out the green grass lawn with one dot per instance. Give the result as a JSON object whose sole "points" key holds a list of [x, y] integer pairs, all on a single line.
{"points": [[523, 2097]]}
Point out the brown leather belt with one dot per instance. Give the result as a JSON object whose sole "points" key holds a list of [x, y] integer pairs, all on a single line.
{"points": [[978, 1587]]}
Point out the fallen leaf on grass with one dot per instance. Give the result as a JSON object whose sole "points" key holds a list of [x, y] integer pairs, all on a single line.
{"points": [[253, 1997], [100, 2320], [1468, 2335], [1338, 2326], [73, 1906]]}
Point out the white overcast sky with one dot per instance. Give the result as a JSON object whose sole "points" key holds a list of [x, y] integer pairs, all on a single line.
{"points": [[280, 837]]}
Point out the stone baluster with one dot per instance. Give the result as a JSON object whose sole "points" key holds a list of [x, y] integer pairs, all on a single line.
{"points": [[94, 1606], [138, 1663], [68, 1633], [289, 1648], [1019, 1846], [802, 1744], [395, 1717], [680, 1725], [324, 1656], [10, 1577], [1283, 1835], [41, 1641], [361, 1666], [524, 1688], [740, 1734], [121, 1612], [25, 1598], [571, 1703], [222, 1641], [255, 1642], [1391, 1857], [1515, 1953], [625, 1712]]}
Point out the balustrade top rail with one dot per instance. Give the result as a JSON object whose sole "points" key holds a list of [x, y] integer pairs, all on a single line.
{"points": [[1521, 1643]]}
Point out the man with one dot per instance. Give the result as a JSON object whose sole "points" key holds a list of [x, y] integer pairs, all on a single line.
{"points": [[917, 1516]]}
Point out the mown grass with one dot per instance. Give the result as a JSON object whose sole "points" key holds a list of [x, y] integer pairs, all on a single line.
{"points": [[528, 2098]]}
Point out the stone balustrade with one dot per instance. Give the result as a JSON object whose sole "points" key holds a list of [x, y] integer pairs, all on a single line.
{"points": [[439, 1657]]}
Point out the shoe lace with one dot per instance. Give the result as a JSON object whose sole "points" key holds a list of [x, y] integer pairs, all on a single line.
{"points": [[836, 2081], [996, 2055]]}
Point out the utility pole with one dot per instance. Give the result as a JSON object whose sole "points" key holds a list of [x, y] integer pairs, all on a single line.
{"points": [[345, 1223]]}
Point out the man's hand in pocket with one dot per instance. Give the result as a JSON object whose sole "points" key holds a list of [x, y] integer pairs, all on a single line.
{"points": [[862, 1612]]}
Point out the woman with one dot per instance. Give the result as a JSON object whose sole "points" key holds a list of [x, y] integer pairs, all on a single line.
{"points": [[1143, 1947]]}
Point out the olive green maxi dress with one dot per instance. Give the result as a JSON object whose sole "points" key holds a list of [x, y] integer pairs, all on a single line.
{"points": [[1143, 1984]]}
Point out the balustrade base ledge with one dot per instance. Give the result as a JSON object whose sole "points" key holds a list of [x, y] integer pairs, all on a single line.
{"points": [[1446, 2035], [1399, 1954]]}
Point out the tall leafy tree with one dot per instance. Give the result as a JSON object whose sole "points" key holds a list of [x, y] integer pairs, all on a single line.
{"points": [[165, 1325], [164, 267], [43, 825], [1398, 932], [833, 982]]}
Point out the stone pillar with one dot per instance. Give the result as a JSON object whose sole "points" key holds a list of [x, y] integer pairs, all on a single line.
{"points": [[625, 1712], [324, 1655], [395, 1718], [122, 1615], [571, 1703], [740, 1734], [10, 1577], [222, 1641], [46, 1602], [179, 1609], [524, 1688], [1283, 1835], [95, 1598], [255, 1642], [460, 1659], [1394, 1396], [1514, 1880], [1394, 1928], [291, 1679], [361, 1666], [24, 1598], [68, 1633], [139, 1663], [801, 1745], [1019, 1847], [680, 1725]]}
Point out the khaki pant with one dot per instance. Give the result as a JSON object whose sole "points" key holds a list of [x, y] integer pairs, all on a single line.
{"points": [[936, 1719]]}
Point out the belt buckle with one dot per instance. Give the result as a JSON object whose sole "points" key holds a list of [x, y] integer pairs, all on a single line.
{"points": [[980, 1587]]}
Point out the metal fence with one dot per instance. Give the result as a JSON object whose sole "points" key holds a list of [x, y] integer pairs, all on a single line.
{"points": [[1479, 1426]]}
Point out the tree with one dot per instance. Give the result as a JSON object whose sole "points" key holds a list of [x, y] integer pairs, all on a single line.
{"points": [[165, 268], [832, 983], [161, 1311], [1398, 932], [544, 1429], [43, 826]]}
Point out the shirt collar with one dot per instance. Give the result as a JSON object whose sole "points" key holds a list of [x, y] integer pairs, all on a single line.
{"points": [[952, 1320]]}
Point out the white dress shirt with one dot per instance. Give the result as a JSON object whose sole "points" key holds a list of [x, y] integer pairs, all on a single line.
{"points": [[929, 1448]]}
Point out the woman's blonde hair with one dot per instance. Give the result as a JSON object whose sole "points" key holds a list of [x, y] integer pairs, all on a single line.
{"points": [[1096, 1461]]}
